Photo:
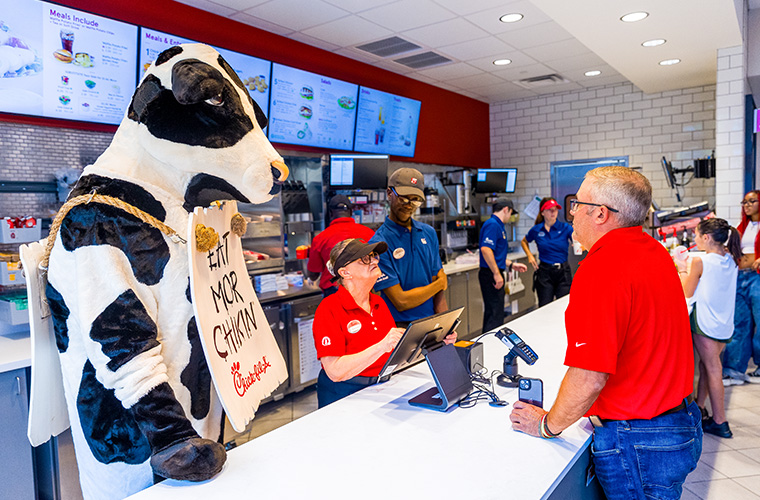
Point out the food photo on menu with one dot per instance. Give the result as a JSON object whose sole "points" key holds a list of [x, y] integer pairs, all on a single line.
{"points": [[21, 61]]}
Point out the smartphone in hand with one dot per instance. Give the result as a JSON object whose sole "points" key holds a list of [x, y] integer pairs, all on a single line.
{"points": [[531, 391]]}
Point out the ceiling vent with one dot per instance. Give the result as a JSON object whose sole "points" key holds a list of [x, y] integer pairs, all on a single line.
{"points": [[423, 60], [388, 47], [541, 81]]}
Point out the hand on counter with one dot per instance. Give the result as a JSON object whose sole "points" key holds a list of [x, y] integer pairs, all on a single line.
{"points": [[525, 418]]}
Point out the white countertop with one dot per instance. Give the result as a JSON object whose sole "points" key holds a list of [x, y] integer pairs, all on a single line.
{"points": [[15, 351], [452, 267], [373, 444]]}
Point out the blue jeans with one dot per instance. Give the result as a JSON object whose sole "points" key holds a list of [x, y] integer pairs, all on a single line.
{"points": [[644, 459], [746, 339]]}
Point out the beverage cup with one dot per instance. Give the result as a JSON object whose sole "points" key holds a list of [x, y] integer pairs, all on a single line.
{"points": [[67, 40]]}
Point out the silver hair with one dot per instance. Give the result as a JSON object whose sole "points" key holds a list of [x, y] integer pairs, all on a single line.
{"points": [[334, 253], [623, 189]]}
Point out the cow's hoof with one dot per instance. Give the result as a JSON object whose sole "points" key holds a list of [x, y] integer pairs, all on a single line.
{"points": [[194, 459]]}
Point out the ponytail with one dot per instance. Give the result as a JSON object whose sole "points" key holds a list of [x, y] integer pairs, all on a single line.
{"points": [[724, 234], [734, 244]]}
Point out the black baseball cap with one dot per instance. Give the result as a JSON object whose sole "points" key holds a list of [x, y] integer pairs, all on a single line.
{"points": [[355, 250], [339, 202], [504, 202]]}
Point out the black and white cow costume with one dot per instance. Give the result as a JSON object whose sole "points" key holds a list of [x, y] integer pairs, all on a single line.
{"points": [[138, 390]]}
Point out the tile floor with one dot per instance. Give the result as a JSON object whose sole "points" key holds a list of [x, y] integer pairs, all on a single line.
{"points": [[728, 468]]}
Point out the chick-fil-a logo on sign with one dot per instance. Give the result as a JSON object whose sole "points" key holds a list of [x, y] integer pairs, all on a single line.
{"points": [[243, 382]]}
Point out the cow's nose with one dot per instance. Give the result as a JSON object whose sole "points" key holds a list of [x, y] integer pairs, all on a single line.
{"points": [[279, 171]]}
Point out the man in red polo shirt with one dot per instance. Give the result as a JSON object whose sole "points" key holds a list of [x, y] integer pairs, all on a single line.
{"points": [[342, 226], [629, 353]]}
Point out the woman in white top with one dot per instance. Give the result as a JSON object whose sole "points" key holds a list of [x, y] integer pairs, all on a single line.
{"points": [[746, 340], [711, 281]]}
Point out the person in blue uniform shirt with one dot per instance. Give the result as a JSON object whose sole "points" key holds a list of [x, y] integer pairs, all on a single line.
{"points": [[553, 238], [413, 280], [493, 263]]}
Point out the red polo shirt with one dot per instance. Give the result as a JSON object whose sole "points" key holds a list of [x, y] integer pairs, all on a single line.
{"points": [[339, 229], [627, 317], [342, 327]]}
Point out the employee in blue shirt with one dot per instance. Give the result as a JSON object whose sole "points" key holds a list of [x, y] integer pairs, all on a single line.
{"points": [[413, 280], [553, 238], [493, 263]]}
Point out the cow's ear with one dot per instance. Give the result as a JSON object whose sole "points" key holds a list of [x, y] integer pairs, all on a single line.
{"points": [[194, 81], [146, 93]]}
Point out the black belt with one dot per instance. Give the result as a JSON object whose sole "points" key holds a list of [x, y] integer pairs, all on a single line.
{"points": [[599, 422], [559, 265]]}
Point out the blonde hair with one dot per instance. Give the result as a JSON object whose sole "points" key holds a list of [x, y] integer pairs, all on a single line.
{"points": [[623, 189]]}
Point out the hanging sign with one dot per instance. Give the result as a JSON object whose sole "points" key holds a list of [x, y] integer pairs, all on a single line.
{"points": [[245, 362]]}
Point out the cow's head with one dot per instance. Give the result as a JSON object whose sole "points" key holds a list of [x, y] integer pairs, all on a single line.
{"points": [[194, 115]]}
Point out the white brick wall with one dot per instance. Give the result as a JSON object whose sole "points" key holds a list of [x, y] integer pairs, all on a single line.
{"points": [[614, 120], [729, 132]]}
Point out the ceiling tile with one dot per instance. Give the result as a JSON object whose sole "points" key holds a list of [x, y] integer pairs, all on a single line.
{"points": [[239, 4], [212, 7], [481, 80], [354, 6], [292, 14], [395, 67], [518, 58], [451, 31], [348, 31], [560, 87], [261, 24], [423, 78], [463, 8], [449, 71], [601, 80], [502, 92], [520, 73], [314, 42], [582, 61], [489, 19], [476, 49], [557, 50], [532, 36], [407, 14]]}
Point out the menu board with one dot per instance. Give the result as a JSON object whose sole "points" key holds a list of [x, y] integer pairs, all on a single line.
{"points": [[253, 72], [59, 62], [386, 123], [311, 110]]}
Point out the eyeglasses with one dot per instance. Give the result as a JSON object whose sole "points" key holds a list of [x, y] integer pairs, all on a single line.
{"points": [[407, 201], [748, 202], [574, 205], [367, 259]]}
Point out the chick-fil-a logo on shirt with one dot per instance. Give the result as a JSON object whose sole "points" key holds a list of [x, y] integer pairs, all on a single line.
{"points": [[243, 382]]}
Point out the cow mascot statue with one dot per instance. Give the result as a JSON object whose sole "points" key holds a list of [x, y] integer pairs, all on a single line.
{"points": [[138, 390]]}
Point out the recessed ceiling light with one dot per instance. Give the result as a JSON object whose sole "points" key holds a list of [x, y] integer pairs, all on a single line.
{"points": [[595, 72], [511, 18], [502, 62], [634, 16], [653, 43], [669, 62]]}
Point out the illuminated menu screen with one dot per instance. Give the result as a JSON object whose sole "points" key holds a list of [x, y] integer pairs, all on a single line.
{"points": [[386, 123], [59, 62], [253, 72], [311, 110]]}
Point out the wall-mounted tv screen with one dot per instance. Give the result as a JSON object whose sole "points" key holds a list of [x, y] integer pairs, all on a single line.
{"points": [[359, 171], [58, 62], [386, 123], [496, 180], [253, 72], [311, 110]]}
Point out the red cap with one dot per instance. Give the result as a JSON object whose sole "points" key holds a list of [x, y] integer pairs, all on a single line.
{"points": [[550, 204]]}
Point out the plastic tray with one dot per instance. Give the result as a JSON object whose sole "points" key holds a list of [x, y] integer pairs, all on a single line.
{"points": [[10, 277], [19, 235], [12, 312]]}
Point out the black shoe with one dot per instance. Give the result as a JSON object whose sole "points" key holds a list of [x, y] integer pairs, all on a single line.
{"points": [[721, 430]]}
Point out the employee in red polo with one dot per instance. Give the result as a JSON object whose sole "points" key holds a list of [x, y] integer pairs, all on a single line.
{"points": [[629, 349], [342, 226], [354, 332]]}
